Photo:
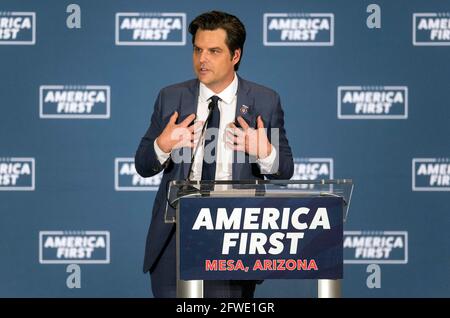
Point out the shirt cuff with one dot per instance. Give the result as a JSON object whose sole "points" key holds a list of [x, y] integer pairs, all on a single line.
{"points": [[267, 165], [161, 155]]}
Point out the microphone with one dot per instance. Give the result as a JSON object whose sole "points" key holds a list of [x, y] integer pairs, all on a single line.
{"points": [[205, 124], [188, 189]]}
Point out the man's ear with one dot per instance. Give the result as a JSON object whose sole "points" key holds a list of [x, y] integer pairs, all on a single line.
{"points": [[237, 56]]}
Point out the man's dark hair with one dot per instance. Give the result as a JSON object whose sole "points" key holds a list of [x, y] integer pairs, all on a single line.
{"points": [[214, 20]]}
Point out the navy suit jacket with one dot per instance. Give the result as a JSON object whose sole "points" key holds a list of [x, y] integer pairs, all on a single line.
{"points": [[183, 97]]}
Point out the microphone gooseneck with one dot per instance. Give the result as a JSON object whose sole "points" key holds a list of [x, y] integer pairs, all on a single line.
{"points": [[205, 124]]}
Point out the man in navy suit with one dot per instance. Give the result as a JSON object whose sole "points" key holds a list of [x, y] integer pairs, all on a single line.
{"points": [[241, 110]]}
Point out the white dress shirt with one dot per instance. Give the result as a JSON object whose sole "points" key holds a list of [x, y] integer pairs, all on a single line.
{"points": [[224, 154]]}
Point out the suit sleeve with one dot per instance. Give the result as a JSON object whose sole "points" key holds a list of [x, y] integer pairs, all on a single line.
{"points": [[146, 159], [284, 163]]}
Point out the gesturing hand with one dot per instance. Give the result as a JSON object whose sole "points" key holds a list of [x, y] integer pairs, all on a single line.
{"points": [[249, 140], [177, 136]]}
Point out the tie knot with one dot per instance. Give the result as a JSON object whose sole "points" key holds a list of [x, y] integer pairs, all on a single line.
{"points": [[214, 100]]}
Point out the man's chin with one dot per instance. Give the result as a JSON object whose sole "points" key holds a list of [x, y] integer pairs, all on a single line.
{"points": [[204, 80]]}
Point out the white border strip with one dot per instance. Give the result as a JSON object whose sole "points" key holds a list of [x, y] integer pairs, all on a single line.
{"points": [[117, 187], [140, 43], [339, 107], [429, 43], [414, 188], [75, 261], [376, 261], [33, 34], [68, 116], [272, 43], [25, 188]]}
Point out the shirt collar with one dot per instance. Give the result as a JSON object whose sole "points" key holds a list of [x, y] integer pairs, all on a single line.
{"points": [[226, 95]]}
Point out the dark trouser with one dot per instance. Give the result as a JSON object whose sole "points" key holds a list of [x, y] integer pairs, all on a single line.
{"points": [[164, 281]]}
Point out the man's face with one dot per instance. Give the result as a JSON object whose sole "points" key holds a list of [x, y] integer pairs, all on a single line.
{"points": [[212, 59]]}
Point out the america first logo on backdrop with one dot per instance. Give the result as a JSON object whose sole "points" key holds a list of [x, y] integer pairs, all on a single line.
{"points": [[375, 247], [431, 29], [431, 174], [150, 28], [372, 102], [17, 174], [75, 101], [74, 247], [17, 28], [311, 169], [127, 179], [298, 29]]}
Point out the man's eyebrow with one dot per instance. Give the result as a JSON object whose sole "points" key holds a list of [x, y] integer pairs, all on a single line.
{"points": [[209, 48]]}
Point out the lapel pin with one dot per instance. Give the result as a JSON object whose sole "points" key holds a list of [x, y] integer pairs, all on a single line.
{"points": [[244, 109]]}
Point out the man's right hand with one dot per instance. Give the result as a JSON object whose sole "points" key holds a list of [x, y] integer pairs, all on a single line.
{"points": [[178, 136]]}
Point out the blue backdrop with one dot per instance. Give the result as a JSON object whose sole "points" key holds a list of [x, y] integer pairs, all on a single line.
{"points": [[370, 104]]}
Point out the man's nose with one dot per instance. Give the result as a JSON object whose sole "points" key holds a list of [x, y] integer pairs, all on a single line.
{"points": [[203, 57]]}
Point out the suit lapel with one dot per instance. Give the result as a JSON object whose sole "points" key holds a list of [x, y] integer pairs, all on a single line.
{"points": [[188, 101], [188, 105], [245, 109]]}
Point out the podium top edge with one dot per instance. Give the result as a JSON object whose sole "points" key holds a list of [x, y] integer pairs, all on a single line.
{"points": [[263, 182]]}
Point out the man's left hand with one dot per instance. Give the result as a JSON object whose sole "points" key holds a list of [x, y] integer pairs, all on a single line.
{"points": [[249, 140]]}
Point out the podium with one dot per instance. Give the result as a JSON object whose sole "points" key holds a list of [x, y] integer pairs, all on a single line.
{"points": [[257, 230]]}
